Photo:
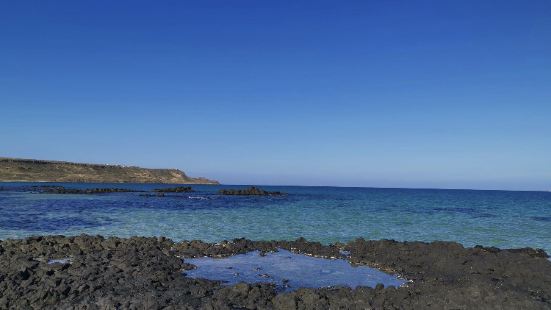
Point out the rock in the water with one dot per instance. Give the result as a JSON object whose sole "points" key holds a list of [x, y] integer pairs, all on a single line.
{"points": [[251, 191], [179, 189], [88, 191]]}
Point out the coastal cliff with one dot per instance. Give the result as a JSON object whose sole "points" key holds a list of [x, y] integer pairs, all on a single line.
{"points": [[31, 170]]}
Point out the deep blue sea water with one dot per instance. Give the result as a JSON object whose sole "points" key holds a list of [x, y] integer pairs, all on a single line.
{"points": [[492, 218]]}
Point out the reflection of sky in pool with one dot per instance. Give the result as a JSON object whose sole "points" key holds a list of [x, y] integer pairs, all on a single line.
{"points": [[288, 271], [61, 261]]}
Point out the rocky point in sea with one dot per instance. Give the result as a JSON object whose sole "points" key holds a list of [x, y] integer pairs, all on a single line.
{"points": [[178, 189], [86, 191], [93, 272], [251, 191]]}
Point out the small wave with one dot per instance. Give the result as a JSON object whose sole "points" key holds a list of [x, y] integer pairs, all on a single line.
{"points": [[197, 197]]}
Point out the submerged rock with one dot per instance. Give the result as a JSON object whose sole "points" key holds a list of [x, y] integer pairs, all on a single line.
{"points": [[137, 272], [251, 191], [153, 195]]}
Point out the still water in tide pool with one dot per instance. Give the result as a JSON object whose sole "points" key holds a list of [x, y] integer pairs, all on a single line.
{"points": [[289, 271], [492, 218]]}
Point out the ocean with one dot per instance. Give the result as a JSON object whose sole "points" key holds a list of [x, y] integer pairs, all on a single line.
{"points": [[505, 219]]}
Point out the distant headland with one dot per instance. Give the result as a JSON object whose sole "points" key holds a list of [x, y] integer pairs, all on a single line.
{"points": [[33, 170]]}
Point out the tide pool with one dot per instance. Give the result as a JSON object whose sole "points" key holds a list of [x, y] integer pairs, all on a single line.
{"points": [[288, 271]]}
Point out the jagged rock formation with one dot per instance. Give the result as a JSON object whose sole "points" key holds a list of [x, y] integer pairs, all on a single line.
{"points": [[179, 189], [92, 272], [87, 191], [31, 170]]}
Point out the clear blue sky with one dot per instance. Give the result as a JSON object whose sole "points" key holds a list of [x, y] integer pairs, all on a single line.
{"points": [[356, 93]]}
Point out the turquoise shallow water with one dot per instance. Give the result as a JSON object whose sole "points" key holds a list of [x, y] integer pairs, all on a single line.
{"points": [[493, 218]]}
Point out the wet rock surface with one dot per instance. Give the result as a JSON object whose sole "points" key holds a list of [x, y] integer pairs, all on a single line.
{"points": [[251, 191], [93, 272], [179, 189], [87, 191]]}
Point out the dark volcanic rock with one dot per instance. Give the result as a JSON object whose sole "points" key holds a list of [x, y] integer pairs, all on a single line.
{"points": [[88, 191], [251, 191], [179, 189], [146, 273]]}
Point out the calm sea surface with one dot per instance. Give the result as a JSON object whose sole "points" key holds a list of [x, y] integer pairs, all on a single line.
{"points": [[493, 218]]}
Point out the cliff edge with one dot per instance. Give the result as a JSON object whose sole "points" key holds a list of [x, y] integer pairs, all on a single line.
{"points": [[32, 170]]}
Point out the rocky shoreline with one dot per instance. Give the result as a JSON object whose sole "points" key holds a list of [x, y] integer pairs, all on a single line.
{"points": [[118, 273]]}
